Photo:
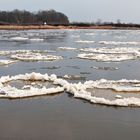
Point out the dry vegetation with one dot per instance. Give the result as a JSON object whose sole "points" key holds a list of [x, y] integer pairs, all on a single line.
{"points": [[30, 27], [35, 27]]}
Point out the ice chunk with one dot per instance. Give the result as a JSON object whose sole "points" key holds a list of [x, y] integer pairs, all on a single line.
{"points": [[36, 39], [108, 57], [67, 48], [22, 52], [12, 92], [7, 62], [35, 57], [118, 96], [74, 77], [109, 50], [80, 91], [118, 43], [8, 91], [85, 41], [19, 38]]}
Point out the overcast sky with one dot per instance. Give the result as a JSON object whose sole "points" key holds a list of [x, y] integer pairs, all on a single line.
{"points": [[82, 10]]}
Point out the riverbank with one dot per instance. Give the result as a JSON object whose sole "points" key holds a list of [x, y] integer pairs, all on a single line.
{"points": [[35, 27]]}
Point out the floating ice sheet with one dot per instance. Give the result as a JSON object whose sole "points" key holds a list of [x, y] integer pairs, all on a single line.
{"points": [[67, 48], [119, 43], [35, 57], [85, 41], [19, 38], [116, 50], [7, 62], [120, 85], [12, 92], [26, 39], [8, 91], [74, 77], [36, 39], [79, 90], [110, 54], [9, 52], [108, 57]]}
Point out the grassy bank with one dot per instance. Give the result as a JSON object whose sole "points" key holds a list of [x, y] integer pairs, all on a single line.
{"points": [[35, 27]]}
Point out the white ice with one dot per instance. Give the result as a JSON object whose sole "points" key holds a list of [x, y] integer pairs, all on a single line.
{"points": [[116, 50], [107, 57], [67, 48], [119, 43], [85, 41], [36, 39], [7, 91], [79, 90], [19, 38], [7, 62], [119, 86], [35, 57], [26, 39], [8, 52]]}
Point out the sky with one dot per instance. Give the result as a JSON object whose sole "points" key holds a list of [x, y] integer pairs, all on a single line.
{"points": [[127, 11]]}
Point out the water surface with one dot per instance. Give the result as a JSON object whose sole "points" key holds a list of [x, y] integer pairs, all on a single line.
{"points": [[62, 116]]}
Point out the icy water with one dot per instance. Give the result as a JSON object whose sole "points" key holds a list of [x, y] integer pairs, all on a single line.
{"points": [[99, 59]]}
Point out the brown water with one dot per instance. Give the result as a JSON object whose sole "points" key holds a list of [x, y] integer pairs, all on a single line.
{"points": [[63, 117]]}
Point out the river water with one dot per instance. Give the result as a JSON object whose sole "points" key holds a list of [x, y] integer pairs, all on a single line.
{"points": [[80, 56]]}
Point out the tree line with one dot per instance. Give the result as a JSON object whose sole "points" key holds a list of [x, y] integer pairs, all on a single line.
{"points": [[23, 17], [113, 24]]}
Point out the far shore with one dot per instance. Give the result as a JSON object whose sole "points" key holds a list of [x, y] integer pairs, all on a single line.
{"points": [[35, 27]]}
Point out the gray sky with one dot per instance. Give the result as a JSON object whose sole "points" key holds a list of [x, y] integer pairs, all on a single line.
{"points": [[82, 10]]}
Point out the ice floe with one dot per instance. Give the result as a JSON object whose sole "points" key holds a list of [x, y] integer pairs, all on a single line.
{"points": [[67, 48], [30, 55], [9, 52], [118, 97], [19, 38], [116, 50], [26, 39], [12, 92], [119, 86], [119, 43], [74, 77], [85, 41], [36, 39], [35, 57], [132, 101], [79, 90], [110, 54], [7, 62], [108, 57], [8, 91]]}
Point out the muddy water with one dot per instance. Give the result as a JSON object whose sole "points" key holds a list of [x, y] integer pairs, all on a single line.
{"points": [[62, 116]]}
